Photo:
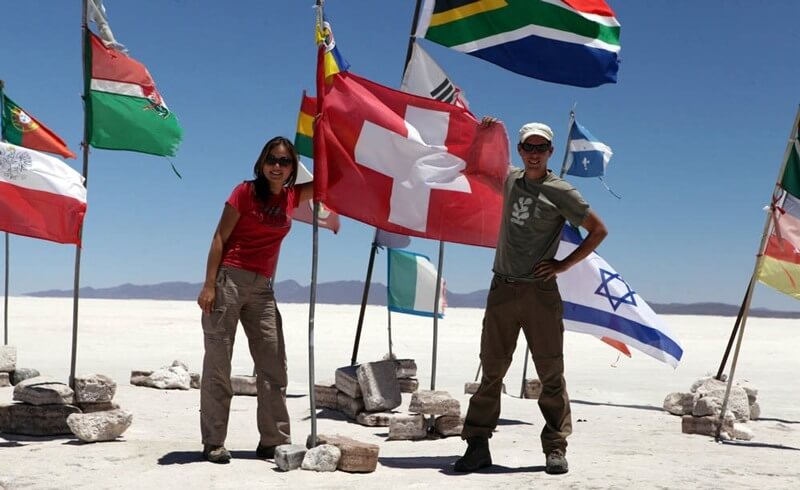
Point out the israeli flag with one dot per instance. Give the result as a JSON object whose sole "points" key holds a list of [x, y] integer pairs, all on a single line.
{"points": [[598, 301], [412, 284], [587, 156]]}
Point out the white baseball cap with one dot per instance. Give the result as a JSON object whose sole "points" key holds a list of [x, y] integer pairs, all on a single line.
{"points": [[535, 128]]}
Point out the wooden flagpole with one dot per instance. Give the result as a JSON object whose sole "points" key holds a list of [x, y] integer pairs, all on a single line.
{"points": [[85, 146], [754, 277]]}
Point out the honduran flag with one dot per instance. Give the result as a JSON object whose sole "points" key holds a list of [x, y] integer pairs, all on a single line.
{"points": [[598, 301], [587, 156], [573, 42], [40, 196], [412, 284], [124, 108]]}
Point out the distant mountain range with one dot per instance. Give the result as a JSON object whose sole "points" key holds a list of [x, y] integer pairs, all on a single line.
{"points": [[350, 293]]}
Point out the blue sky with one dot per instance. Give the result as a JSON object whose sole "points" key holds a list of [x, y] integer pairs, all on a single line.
{"points": [[698, 123]]}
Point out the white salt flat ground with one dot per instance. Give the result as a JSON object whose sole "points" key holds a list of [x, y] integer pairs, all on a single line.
{"points": [[621, 436]]}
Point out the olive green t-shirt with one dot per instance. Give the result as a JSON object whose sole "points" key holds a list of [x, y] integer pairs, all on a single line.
{"points": [[534, 212]]}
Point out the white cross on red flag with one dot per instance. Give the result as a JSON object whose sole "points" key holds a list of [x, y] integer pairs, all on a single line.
{"points": [[408, 164]]}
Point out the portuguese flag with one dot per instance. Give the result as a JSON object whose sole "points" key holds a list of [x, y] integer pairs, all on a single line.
{"points": [[304, 138], [22, 129], [124, 109], [780, 263]]}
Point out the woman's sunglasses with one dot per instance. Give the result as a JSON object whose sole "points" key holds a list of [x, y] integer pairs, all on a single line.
{"points": [[282, 161], [531, 148]]}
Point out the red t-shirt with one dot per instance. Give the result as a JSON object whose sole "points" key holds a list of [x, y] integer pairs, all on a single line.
{"points": [[256, 239]]}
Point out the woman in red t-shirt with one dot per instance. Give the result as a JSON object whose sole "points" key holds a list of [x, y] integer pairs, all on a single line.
{"points": [[241, 262]]}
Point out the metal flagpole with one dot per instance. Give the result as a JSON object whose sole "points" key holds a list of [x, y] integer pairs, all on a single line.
{"points": [[312, 396], [5, 301], [311, 304], [85, 145], [7, 260], [733, 336], [389, 315], [561, 174], [759, 260], [364, 297], [436, 314]]}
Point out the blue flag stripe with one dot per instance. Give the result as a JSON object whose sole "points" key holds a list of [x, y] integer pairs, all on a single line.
{"points": [[645, 334]]}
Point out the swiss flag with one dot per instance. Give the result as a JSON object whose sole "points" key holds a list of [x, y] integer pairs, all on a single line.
{"points": [[408, 164]]}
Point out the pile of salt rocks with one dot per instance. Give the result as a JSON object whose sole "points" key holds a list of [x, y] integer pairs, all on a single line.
{"points": [[368, 394], [46, 407], [10, 373], [701, 406], [175, 376]]}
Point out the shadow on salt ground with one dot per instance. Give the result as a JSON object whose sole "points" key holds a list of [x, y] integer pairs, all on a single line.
{"points": [[512, 422], [327, 413], [608, 404], [768, 419], [759, 444], [11, 444], [445, 465], [78, 442], [20, 437], [292, 395], [187, 457]]}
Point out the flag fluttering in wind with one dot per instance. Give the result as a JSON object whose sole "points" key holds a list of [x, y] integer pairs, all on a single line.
{"points": [[304, 137], [305, 210], [599, 302], [22, 129], [587, 156], [408, 164], [388, 239], [412, 284], [332, 60], [40, 196], [424, 77], [572, 42], [124, 108], [780, 264]]}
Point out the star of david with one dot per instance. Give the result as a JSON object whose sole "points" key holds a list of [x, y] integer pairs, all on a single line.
{"points": [[615, 301]]}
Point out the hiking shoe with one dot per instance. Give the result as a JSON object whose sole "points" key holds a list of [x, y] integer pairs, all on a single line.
{"points": [[216, 454], [265, 452], [476, 457], [556, 463]]}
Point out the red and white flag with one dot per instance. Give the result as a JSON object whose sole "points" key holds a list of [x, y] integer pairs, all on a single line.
{"points": [[40, 196], [408, 164], [305, 210]]}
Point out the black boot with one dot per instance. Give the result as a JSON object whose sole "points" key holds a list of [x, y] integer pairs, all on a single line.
{"points": [[476, 457]]}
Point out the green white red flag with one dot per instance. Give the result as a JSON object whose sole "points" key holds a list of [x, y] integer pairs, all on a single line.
{"points": [[780, 263], [22, 129], [125, 110]]}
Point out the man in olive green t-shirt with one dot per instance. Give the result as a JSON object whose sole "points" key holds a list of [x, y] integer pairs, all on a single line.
{"points": [[524, 294]]}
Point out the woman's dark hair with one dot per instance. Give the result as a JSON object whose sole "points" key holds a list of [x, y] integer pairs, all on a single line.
{"points": [[260, 183]]}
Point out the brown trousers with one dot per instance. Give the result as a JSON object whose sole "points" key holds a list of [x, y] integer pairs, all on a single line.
{"points": [[536, 308], [246, 296]]}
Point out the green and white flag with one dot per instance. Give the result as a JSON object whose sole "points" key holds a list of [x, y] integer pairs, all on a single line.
{"points": [[124, 108], [412, 284]]}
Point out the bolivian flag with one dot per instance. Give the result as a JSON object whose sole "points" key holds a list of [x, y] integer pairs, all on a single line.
{"points": [[304, 137]]}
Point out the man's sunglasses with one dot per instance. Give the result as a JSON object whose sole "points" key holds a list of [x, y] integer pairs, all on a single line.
{"points": [[282, 161], [531, 148]]}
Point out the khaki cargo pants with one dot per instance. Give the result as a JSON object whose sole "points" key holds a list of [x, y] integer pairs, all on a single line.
{"points": [[246, 296], [535, 307]]}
